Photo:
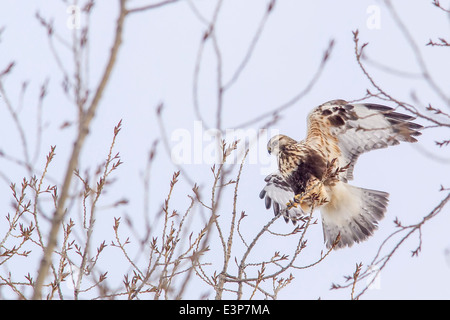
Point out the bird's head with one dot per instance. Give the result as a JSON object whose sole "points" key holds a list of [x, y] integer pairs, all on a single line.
{"points": [[276, 143]]}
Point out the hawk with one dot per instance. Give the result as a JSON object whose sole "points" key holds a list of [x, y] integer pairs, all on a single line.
{"points": [[314, 173]]}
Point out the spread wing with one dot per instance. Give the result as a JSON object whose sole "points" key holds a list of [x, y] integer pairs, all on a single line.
{"points": [[278, 193], [344, 131]]}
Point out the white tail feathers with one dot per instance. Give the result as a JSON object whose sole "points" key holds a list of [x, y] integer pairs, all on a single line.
{"points": [[352, 213]]}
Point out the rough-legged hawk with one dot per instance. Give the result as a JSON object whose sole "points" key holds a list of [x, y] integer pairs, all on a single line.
{"points": [[313, 173]]}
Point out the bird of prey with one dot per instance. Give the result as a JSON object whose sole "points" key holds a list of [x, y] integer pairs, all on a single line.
{"points": [[314, 173]]}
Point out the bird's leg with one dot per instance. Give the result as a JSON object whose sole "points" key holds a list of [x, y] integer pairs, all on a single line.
{"points": [[298, 198]]}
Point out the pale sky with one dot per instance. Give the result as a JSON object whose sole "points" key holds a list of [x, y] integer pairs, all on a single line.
{"points": [[156, 65]]}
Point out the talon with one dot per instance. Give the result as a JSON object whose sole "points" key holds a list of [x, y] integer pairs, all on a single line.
{"points": [[291, 204], [298, 198]]}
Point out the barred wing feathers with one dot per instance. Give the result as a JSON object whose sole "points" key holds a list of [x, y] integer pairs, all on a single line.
{"points": [[349, 130]]}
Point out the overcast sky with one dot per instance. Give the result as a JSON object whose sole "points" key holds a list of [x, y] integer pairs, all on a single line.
{"points": [[156, 65]]}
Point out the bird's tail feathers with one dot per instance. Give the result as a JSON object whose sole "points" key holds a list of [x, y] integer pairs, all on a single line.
{"points": [[352, 213]]}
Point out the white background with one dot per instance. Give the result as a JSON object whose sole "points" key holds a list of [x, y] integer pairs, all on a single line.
{"points": [[156, 65]]}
